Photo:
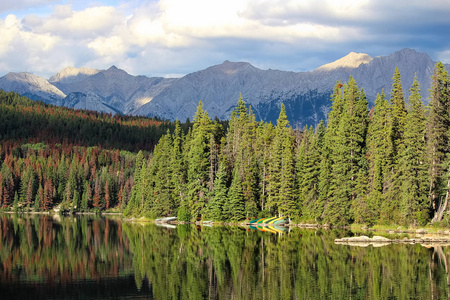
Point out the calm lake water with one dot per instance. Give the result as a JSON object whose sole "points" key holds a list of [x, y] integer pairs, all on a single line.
{"points": [[45, 257]]}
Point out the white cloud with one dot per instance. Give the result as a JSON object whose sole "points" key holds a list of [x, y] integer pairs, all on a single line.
{"points": [[177, 23], [179, 36], [110, 46], [13, 35], [91, 22]]}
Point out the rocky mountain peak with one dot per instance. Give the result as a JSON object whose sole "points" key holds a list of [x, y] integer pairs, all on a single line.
{"points": [[115, 73], [72, 74], [231, 68], [351, 60], [26, 83]]}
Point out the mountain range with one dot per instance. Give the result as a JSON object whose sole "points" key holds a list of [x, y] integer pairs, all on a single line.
{"points": [[306, 95]]}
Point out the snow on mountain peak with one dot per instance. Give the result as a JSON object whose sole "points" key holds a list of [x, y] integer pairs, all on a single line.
{"points": [[351, 60]]}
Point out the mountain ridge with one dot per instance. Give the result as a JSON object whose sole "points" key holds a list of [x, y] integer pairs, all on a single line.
{"points": [[305, 94]]}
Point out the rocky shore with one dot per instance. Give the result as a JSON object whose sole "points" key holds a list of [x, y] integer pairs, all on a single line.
{"points": [[378, 241]]}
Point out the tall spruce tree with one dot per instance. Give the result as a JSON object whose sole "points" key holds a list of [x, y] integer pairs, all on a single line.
{"points": [[379, 149], [437, 132], [198, 158], [280, 174], [158, 186], [308, 172], [398, 111], [236, 209], [288, 192], [241, 153], [177, 167], [265, 134], [414, 208], [215, 208], [347, 155], [392, 197], [326, 164]]}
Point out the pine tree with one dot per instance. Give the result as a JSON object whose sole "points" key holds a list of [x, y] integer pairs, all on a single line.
{"points": [[398, 111], [392, 193], [158, 188], [107, 195], [120, 197], [438, 127], [236, 198], [39, 198], [47, 200], [302, 175], [326, 164], [178, 170], [76, 201], [265, 135], [308, 172], [215, 206], [86, 197], [29, 193], [97, 199], [135, 203], [274, 181], [198, 162], [379, 145], [288, 192], [412, 171], [347, 155], [24, 180], [16, 202]]}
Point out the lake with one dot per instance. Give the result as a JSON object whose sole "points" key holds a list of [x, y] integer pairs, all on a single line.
{"points": [[93, 257]]}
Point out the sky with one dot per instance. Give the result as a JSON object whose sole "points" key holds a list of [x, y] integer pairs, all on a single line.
{"points": [[172, 38]]}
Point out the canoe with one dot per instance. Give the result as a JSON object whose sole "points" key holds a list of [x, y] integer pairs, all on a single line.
{"points": [[261, 220], [282, 221], [255, 221], [165, 220], [269, 219], [275, 220]]}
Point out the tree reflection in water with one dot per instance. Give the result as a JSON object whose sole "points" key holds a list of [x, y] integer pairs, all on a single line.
{"points": [[96, 257]]}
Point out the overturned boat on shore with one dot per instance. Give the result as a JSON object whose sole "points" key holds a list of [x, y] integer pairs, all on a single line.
{"points": [[165, 220]]}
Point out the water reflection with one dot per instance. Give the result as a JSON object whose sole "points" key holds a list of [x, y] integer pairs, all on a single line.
{"points": [[94, 257]]}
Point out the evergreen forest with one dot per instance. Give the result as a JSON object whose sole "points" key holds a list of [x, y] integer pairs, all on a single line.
{"points": [[74, 160], [386, 164]]}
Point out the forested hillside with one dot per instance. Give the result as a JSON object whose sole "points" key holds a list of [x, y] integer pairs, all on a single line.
{"points": [[24, 119], [385, 165], [79, 160]]}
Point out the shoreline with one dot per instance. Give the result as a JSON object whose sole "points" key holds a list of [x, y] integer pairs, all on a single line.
{"points": [[441, 231]]}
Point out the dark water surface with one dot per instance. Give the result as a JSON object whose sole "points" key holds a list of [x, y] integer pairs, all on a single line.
{"points": [[85, 257]]}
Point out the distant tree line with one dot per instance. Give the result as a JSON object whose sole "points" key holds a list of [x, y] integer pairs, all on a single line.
{"points": [[35, 121], [389, 164]]}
